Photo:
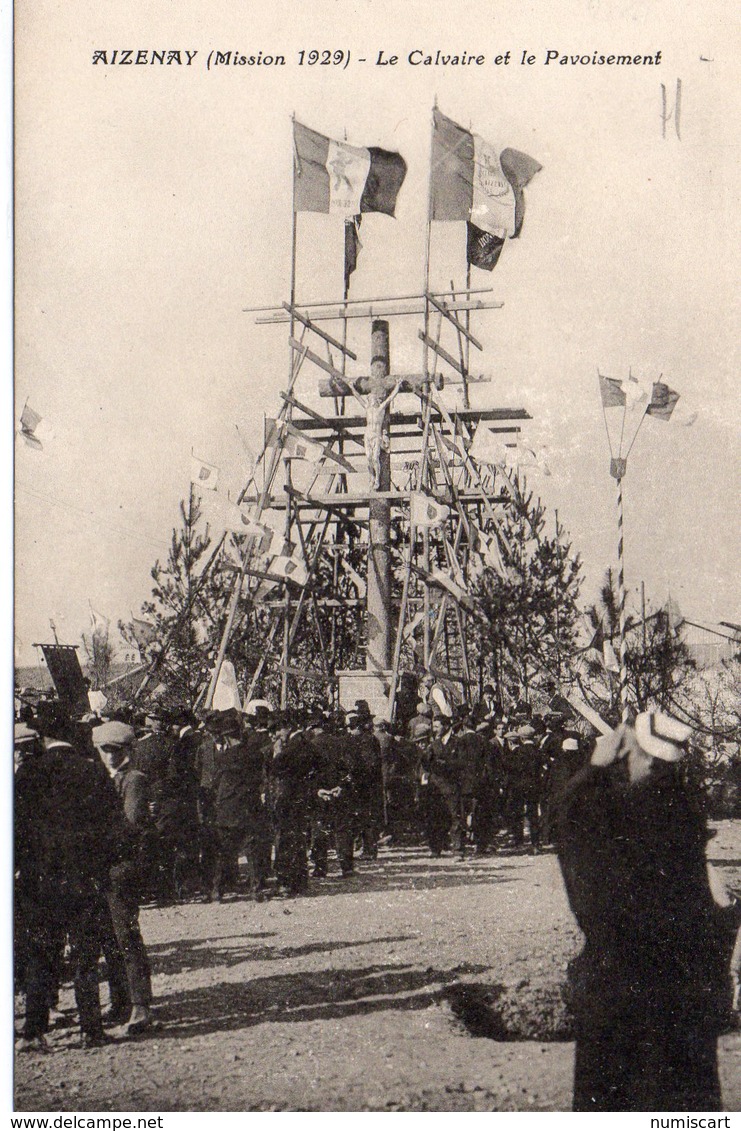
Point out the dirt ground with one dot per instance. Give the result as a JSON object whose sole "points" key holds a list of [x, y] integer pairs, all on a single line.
{"points": [[418, 985]]}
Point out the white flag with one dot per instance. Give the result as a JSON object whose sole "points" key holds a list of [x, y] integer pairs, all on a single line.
{"points": [[609, 659], [444, 579], [522, 456], [489, 550], [203, 475], [426, 511], [292, 569], [493, 203], [226, 693], [97, 701], [488, 447], [99, 624], [290, 441]]}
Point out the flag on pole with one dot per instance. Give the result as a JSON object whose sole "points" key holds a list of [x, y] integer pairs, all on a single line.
{"points": [[97, 701], [226, 515], [203, 475], [598, 639], [609, 658], [281, 436], [674, 617], [99, 624], [488, 547], [34, 429], [341, 179], [289, 567], [522, 456], [143, 632], [663, 401], [260, 536], [445, 580], [487, 447], [226, 693], [611, 391], [474, 181], [426, 511], [352, 247]]}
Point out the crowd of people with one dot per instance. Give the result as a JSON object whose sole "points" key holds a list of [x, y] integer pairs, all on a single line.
{"points": [[113, 812]]}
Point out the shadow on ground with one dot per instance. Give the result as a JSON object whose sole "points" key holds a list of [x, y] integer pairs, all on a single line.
{"points": [[199, 954], [303, 996]]}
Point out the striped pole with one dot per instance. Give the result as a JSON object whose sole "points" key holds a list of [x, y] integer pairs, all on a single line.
{"points": [[621, 606]]}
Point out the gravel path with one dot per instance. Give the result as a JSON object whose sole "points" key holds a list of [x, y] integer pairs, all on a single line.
{"points": [[367, 995]]}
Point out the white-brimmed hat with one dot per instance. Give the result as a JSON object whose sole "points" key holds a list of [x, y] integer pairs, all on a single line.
{"points": [[661, 736]]}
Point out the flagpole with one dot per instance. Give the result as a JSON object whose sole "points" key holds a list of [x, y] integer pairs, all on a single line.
{"points": [[624, 706], [239, 580], [427, 404]]}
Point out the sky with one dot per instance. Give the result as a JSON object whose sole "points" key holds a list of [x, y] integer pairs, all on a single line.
{"points": [[153, 205]]}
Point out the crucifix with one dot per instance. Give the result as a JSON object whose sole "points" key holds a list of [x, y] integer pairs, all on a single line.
{"points": [[375, 438]]}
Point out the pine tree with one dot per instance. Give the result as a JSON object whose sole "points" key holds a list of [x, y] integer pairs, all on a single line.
{"points": [[186, 614], [532, 614], [658, 662]]}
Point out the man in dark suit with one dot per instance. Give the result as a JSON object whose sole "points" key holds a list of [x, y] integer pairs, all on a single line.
{"points": [[68, 834], [651, 989], [116, 742]]}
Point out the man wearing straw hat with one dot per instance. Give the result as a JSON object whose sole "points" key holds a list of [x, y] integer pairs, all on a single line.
{"points": [[651, 989]]}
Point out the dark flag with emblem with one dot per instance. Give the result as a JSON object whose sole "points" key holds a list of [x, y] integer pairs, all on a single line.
{"points": [[473, 181]]}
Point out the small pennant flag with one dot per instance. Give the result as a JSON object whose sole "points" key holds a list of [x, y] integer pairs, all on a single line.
{"points": [[279, 435], [611, 391], [226, 693], [290, 568], [487, 447], [352, 247], [445, 580], [143, 632], [99, 624], [97, 701], [521, 456], [426, 511], [488, 547], [609, 658], [598, 639], [674, 616], [663, 401], [203, 475]]}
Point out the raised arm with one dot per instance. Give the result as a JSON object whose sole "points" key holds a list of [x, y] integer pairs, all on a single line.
{"points": [[392, 394]]}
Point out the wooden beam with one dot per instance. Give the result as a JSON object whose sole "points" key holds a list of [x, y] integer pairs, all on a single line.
{"points": [[335, 374], [381, 308], [472, 415], [410, 383], [352, 500], [307, 322], [438, 349], [443, 308]]}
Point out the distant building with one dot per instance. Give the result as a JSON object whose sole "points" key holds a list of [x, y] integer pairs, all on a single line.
{"points": [[711, 645]]}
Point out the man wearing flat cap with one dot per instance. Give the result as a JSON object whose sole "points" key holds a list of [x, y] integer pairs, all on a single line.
{"points": [[651, 989], [116, 742]]}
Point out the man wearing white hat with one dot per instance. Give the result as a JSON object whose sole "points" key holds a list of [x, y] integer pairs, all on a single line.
{"points": [[651, 990]]}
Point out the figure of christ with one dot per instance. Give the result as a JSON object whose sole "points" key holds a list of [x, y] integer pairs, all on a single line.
{"points": [[374, 439]]}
